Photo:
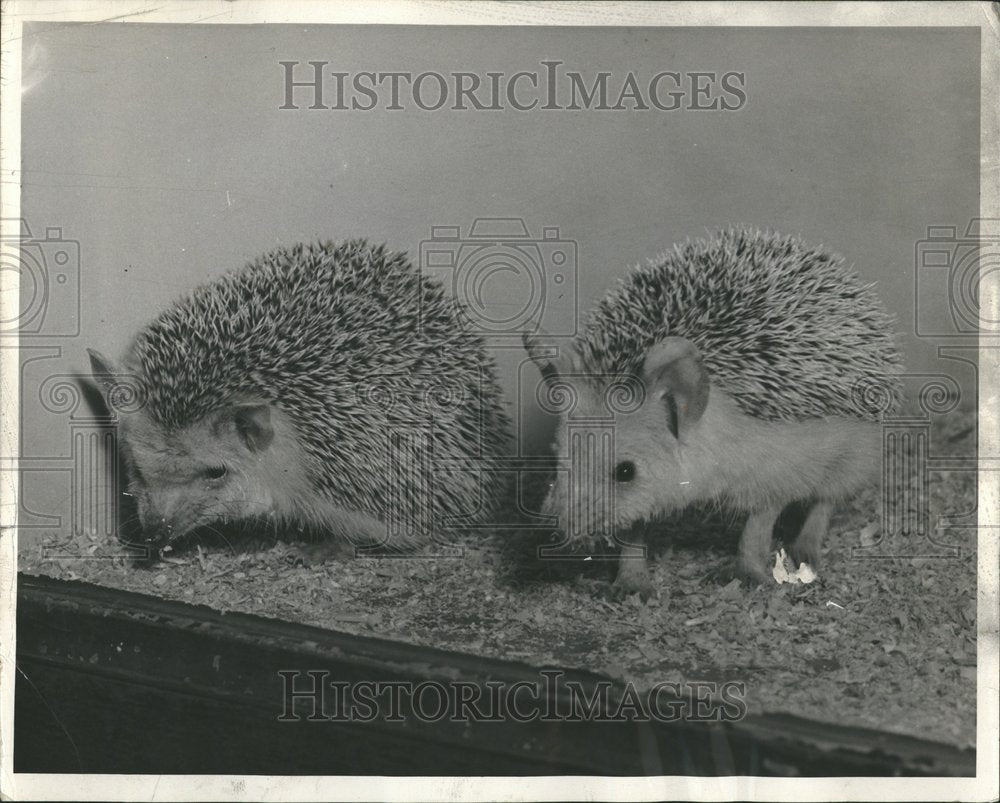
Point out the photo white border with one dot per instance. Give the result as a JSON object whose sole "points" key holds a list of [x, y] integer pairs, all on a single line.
{"points": [[982, 15]]}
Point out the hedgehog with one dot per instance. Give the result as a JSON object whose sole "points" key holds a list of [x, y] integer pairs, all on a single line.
{"points": [[747, 371], [327, 387]]}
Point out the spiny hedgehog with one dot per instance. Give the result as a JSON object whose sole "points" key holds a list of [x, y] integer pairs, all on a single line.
{"points": [[747, 370], [325, 386]]}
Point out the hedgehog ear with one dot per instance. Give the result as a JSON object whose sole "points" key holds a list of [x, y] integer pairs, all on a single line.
{"points": [[102, 369], [253, 424], [551, 359], [675, 376]]}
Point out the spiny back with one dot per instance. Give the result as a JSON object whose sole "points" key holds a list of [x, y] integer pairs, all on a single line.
{"points": [[788, 331], [348, 339]]}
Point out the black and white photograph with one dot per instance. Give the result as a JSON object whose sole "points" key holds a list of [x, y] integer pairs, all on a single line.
{"points": [[499, 401]]}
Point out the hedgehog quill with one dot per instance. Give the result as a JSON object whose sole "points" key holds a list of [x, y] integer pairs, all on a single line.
{"points": [[747, 370], [327, 386]]}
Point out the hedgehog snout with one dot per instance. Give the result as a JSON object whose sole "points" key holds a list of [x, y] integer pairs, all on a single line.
{"points": [[157, 531], [164, 516]]}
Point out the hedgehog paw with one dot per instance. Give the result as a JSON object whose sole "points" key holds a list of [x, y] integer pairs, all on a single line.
{"points": [[309, 555], [804, 553], [633, 582], [633, 575], [751, 572], [621, 591], [807, 546]]}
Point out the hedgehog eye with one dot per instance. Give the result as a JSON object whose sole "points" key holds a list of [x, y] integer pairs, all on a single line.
{"points": [[625, 471], [216, 472]]}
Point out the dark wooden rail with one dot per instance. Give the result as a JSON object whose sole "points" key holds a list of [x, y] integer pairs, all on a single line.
{"points": [[116, 682]]}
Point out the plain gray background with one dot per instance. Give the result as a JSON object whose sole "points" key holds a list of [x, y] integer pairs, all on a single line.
{"points": [[162, 150]]}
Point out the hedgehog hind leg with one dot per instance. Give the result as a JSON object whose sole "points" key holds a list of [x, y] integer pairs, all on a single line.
{"points": [[809, 543]]}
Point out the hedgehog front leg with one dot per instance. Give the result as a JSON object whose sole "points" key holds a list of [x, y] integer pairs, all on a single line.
{"points": [[633, 574], [755, 544], [809, 542]]}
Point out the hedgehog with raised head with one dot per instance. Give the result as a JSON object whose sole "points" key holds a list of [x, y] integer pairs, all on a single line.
{"points": [[330, 386], [747, 370]]}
